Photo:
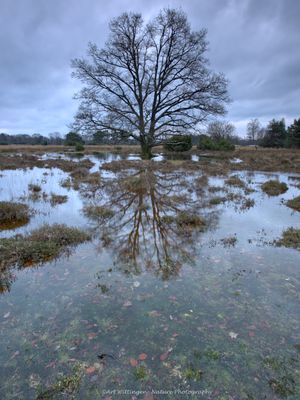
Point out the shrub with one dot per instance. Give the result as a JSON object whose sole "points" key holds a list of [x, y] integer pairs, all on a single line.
{"points": [[178, 143], [207, 143], [79, 147], [274, 188], [13, 214]]}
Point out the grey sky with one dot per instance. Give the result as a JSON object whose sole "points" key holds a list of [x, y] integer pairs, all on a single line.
{"points": [[254, 42]]}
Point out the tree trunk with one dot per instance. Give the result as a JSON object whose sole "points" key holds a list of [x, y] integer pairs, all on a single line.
{"points": [[146, 151]]}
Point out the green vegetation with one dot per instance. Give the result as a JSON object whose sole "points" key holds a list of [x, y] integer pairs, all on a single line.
{"points": [[192, 373], [40, 245], [178, 143], [140, 373], [294, 203], [274, 188], [207, 143], [79, 147], [65, 385], [290, 238], [73, 139], [13, 214]]}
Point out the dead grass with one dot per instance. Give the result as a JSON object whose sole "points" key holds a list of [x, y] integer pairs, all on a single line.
{"points": [[56, 199], [290, 238], [294, 203], [13, 214], [274, 188], [98, 212], [234, 180], [42, 244]]}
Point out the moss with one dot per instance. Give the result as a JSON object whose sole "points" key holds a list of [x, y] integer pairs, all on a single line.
{"points": [[294, 203], [274, 188], [192, 373], [57, 199], [98, 212], [140, 373], [69, 384], [42, 244], [213, 354], [13, 214], [290, 238]]}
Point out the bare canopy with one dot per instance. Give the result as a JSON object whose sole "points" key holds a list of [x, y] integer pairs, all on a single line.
{"points": [[149, 81]]}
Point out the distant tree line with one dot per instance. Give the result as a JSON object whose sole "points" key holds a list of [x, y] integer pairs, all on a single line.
{"points": [[219, 135]]}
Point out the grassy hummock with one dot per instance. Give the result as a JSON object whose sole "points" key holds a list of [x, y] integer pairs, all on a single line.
{"points": [[290, 238], [294, 203], [42, 244], [274, 188], [13, 214]]}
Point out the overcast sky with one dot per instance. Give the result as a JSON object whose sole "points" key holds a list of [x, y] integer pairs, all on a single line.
{"points": [[254, 42]]}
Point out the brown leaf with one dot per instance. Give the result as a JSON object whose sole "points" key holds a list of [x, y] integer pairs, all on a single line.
{"points": [[143, 356], [164, 356], [133, 362], [90, 370]]}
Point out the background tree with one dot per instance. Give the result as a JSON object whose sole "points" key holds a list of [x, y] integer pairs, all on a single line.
{"points": [[293, 135], [220, 130], [150, 81], [73, 138], [253, 129], [275, 134]]}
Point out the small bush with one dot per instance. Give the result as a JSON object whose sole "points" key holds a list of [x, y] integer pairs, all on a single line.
{"points": [[294, 203], [178, 143], [79, 147], [274, 188], [207, 143], [13, 214]]}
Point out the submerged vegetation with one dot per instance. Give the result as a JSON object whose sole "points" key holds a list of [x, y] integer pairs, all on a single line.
{"points": [[42, 244], [173, 256], [13, 214]]}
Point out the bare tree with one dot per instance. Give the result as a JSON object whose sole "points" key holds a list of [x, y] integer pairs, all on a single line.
{"points": [[220, 130], [149, 81], [253, 129]]}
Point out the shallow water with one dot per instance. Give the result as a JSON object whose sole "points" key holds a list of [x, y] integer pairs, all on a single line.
{"points": [[189, 314]]}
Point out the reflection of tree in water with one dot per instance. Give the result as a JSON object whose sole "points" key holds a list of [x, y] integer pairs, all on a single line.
{"points": [[149, 217]]}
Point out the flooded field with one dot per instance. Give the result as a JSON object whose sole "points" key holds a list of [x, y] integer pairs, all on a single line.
{"points": [[186, 285]]}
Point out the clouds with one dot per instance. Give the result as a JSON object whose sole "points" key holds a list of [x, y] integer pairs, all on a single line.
{"points": [[254, 43]]}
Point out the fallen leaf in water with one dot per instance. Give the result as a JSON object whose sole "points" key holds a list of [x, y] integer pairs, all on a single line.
{"points": [[143, 356], [165, 355], [91, 335], [127, 304], [90, 370], [136, 284], [133, 362], [251, 333], [6, 315], [233, 335], [153, 313]]}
